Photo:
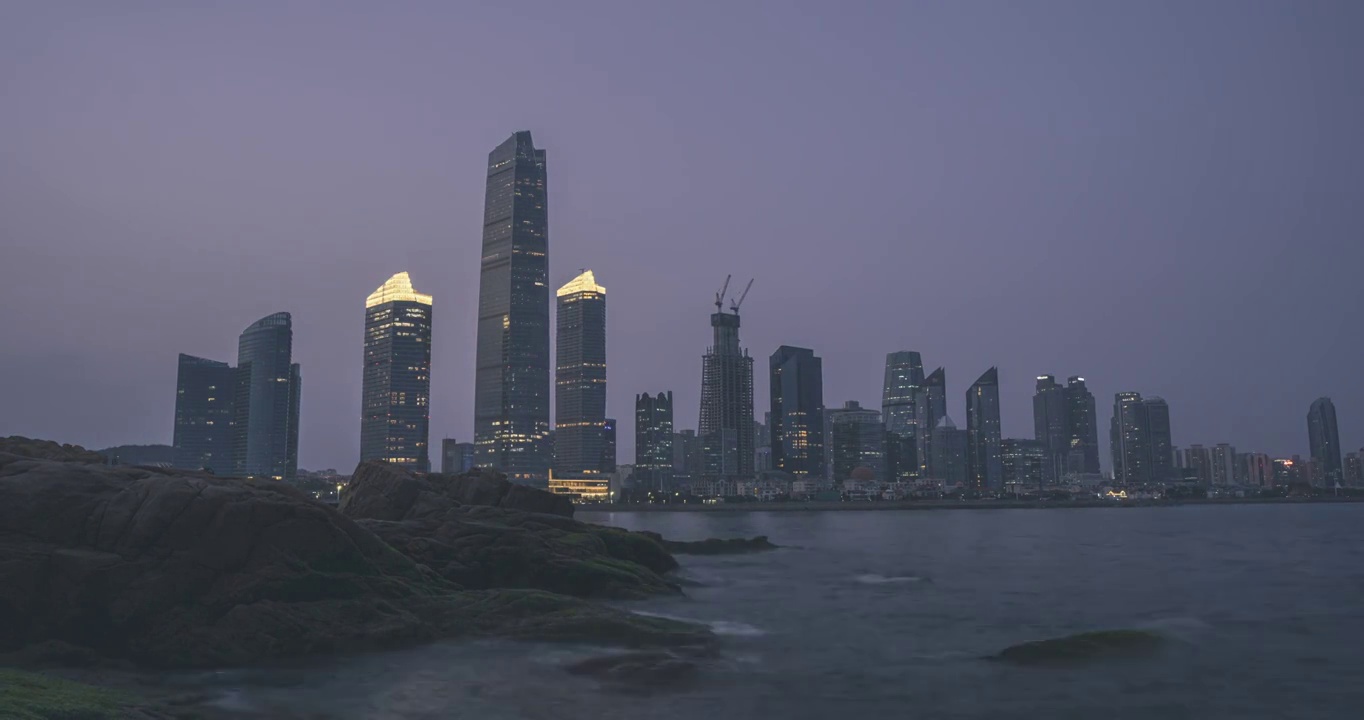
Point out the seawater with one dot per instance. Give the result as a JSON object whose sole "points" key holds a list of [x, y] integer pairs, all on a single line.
{"points": [[887, 614]]}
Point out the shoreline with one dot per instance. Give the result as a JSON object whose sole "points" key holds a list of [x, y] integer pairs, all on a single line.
{"points": [[881, 505]]}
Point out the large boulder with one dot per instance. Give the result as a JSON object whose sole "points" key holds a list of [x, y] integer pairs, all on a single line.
{"points": [[175, 569], [48, 450], [466, 530]]}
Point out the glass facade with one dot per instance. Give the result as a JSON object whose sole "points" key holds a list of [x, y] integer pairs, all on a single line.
{"points": [[511, 386], [1024, 463], [265, 435], [726, 422], [949, 453], [204, 393], [1324, 442], [396, 389], [1142, 448], [455, 457], [1051, 425], [796, 424], [654, 441], [983, 469], [1082, 417], [580, 379], [930, 407], [858, 441]]}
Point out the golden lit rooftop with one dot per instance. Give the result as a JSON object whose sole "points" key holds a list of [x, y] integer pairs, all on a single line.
{"points": [[583, 283], [397, 289]]}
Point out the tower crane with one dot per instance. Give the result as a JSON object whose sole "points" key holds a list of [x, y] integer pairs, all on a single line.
{"points": [[734, 304]]}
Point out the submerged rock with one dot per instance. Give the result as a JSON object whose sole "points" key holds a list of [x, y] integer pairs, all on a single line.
{"points": [[1083, 647], [718, 546]]}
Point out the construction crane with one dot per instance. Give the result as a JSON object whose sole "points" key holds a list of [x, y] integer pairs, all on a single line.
{"points": [[734, 304], [720, 296]]}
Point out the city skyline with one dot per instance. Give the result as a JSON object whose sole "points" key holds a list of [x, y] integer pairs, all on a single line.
{"points": [[220, 202]]}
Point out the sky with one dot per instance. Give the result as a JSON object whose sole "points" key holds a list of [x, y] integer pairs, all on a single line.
{"points": [[1163, 197]]}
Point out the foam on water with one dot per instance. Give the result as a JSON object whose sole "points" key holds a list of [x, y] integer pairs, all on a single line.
{"points": [[878, 579], [719, 627]]}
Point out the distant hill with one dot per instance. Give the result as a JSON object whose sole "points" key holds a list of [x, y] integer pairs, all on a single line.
{"points": [[155, 455]]}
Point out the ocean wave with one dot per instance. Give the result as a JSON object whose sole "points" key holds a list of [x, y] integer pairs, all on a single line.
{"points": [[877, 579], [719, 627]]}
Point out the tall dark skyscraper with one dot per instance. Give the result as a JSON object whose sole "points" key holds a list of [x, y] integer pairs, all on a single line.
{"points": [[204, 391], [580, 378], [726, 423], [899, 390], [265, 437], [1324, 442], [858, 441], [930, 407], [984, 472], [396, 395], [1162, 447], [797, 417], [1082, 416], [1141, 443], [511, 388], [949, 453], [1051, 425], [654, 441], [455, 457]]}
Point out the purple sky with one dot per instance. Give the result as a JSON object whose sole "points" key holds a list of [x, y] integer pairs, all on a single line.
{"points": [[1162, 197]]}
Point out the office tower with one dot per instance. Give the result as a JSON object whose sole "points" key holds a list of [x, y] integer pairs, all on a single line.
{"points": [[654, 441], [1223, 464], [1024, 464], [949, 453], [1051, 425], [1158, 435], [1131, 443], [930, 407], [726, 423], [265, 437], [511, 388], [903, 378], [580, 378], [1324, 442], [1083, 420], [396, 391], [204, 391], [1199, 459], [1353, 470], [688, 457], [983, 433], [858, 440], [456, 457], [796, 421]]}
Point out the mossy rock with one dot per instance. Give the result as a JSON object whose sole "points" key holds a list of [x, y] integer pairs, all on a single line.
{"points": [[27, 696], [1083, 647]]}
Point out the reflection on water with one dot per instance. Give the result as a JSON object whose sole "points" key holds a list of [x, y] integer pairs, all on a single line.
{"points": [[887, 614]]}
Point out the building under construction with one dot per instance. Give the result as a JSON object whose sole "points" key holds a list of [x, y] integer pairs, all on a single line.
{"points": [[726, 423]]}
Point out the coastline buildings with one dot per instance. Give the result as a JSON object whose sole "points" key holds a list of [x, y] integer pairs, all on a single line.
{"points": [[265, 441], [396, 388], [857, 441], [983, 468], [654, 441], [580, 429], [203, 434], [1141, 443], [1324, 443], [1083, 419], [1051, 425], [1024, 464], [949, 453], [726, 421], [796, 424], [455, 457], [511, 387], [930, 407], [904, 378]]}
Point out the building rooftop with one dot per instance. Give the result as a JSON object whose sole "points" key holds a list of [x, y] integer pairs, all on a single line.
{"points": [[397, 289], [585, 282]]}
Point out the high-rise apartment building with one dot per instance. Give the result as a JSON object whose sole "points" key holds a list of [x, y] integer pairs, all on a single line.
{"points": [[580, 378], [1083, 421], [1353, 470], [1141, 443], [266, 403], [984, 472], [1223, 464], [511, 387], [395, 397], [796, 421], [204, 391], [1324, 442], [654, 441]]}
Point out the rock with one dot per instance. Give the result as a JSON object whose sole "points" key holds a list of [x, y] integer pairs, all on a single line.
{"points": [[48, 450], [1083, 647], [29, 696], [174, 569], [638, 671], [380, 491], [718, 546], [434, 522]]}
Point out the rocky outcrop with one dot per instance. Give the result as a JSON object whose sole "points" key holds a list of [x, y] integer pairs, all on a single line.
{"points": [[716, 546], [48, 450], [439, 523], [1083, 647], [174, 569]]}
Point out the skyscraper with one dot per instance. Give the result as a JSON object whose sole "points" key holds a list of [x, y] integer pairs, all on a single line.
{"points": [[1199, 459], [580, 378], [1158, 434], [726, 423], [265, 437], [455, 457], [903, 379], [396, 395], [984, 471], [204, 391], [654, 441], [1324, 442], [949, 453], [608, 446], [1082, 414], [1223, 464], [511, 388], [858, 440], [1051, 425], [1131, 443], [797, 418], [1023, 464], [930, 407]]}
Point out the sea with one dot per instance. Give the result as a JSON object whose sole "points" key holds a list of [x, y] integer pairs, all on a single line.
{"points": [[890, 614]]}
